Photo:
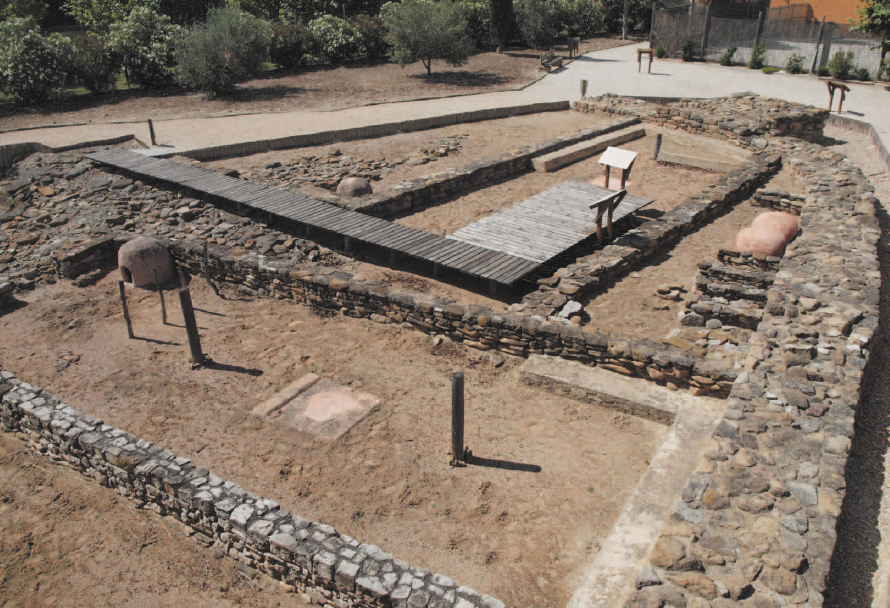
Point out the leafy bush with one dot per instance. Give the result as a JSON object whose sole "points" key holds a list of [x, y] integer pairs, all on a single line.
{"points": [[795, 64], [420, 30], [884, 70], [579, 17], [33, 67], [502, 21], [726, 57], [478, 15], [535, 20], [145, 41], [370, 33], [94, 65], [337, 41], [862, 74], [639, 15], [841, 64], [23, 9], [660, 52], [755, 62], [769, 69], [687, 49], [290, 42], [822, 70], [229, 47]]}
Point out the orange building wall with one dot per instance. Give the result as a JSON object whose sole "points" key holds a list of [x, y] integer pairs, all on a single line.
{"points": [[839, 11]]}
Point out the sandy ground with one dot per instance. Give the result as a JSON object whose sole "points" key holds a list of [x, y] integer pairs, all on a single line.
{"points": [[518, 535], [68, 542]]}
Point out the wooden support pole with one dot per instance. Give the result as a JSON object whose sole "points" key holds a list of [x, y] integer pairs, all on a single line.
{"points": [[826, 44], [583, 88], [704, 37], [160, 295], [657, 148], [818, 42], [120, 285], [182, 281], [205, 264], [607, 177], [151, 132], [457, 420], [191, 326]]}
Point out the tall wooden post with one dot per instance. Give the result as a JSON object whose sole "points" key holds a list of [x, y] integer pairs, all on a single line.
{"points": [[818, 42], [120, 285], [657, 147], [161, 295], [457, 419], [826, 44], [151, 132], [704, 37], [191, 325]]}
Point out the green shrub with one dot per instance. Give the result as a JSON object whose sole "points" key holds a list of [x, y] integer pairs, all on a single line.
{"points": [[229, 47], [502, 20], [884, 70], [290, 43], [687, 49], [822, 70], [33, 67], [578, 17], [795, 64], [420, 30], [841, 64], [726, 57], [660, 52], [769, 69], [337, 41], [23, 9], [94, 66], [145, 41], [478, 16], [535, 20], [639, 15], [755, 62], [862, 74], [370, 32]]}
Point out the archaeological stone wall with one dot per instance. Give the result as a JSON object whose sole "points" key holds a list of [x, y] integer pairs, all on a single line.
{"points": [[305, 556]]}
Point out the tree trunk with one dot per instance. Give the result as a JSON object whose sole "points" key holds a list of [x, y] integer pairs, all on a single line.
{"points": [[428, 64]]}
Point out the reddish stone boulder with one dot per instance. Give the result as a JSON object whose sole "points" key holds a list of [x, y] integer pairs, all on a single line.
{"points": [[785, 223], [139, 258], [765, 240]]}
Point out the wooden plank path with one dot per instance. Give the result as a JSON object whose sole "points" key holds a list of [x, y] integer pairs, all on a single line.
{"points": [[474, 259], [545, 225]]}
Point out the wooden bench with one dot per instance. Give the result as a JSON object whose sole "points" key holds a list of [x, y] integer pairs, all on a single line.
{"points": [[572, 45], [834, 85], [640, 53], [606, 206], [548, 60]]}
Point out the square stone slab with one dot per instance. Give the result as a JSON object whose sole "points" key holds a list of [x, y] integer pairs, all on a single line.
{"points": [[322, 408]]}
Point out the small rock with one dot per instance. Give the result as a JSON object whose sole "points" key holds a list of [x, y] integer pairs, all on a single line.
{"points": [[62, 365], [647, 578], [496, 360]]}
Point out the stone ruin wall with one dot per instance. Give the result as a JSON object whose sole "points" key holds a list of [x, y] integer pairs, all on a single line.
{"points": [[755, 525]]}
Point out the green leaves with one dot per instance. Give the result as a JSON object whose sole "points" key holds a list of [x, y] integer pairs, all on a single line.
{"points": [[33, 67], [420, 30]]}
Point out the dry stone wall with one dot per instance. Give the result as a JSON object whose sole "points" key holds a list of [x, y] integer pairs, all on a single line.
{"points": [[306, 556]]}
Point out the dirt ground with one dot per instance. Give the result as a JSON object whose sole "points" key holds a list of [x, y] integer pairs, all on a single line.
{"points": [[67, 542], [476, 141], [622, 309], [521, 536], [306, 88]]}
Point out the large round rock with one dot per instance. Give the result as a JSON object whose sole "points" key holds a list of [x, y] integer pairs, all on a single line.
{"points": [[139, 258], [765, 240], [354, 186], [782, 222]]}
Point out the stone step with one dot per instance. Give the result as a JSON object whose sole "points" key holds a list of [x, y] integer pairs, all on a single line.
{"points": [[730, 291], [585, 149], [735, 313], [597, 386], [710, 164], [740, 275]]}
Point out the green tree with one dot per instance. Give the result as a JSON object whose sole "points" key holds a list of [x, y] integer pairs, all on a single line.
{"points": [[97, 16], [23, 9], [874, 19], [33, 67], [420, 30], [536, 21], [228, 48], [145, 42], [502, 20]]}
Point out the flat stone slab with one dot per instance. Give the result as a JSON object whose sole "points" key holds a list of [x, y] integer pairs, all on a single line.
{"points": [[585, 149], [710, 164], [317, 406]]}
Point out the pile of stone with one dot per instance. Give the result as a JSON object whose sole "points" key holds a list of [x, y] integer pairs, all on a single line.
{"points": [[780, 200], [329, 170], [60, 201]]}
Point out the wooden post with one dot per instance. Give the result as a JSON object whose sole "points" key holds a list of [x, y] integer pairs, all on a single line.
{"points": [[457, 420], [151, 132], [206, 267], [624, 21], [182, 282], [583, 88], [120, 285], [657, 148], [191, 325], [161, 295], [818, 42], [704, 38], [606, 185], [826, 44]]}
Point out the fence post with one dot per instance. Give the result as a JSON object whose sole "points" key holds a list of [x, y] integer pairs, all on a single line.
{"points": [[826, 45], [818, 42], [704, 38], [457, 420], [191, 326]]}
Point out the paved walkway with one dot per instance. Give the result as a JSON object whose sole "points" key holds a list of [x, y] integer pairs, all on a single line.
{"points": [[609, 71]]}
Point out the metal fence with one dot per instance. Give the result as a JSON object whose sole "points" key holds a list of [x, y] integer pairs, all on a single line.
{"points": [[790, 32]]}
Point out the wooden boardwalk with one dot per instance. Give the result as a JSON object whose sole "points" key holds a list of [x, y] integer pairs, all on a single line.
{"points": [[474, 259], [544, 226]]}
